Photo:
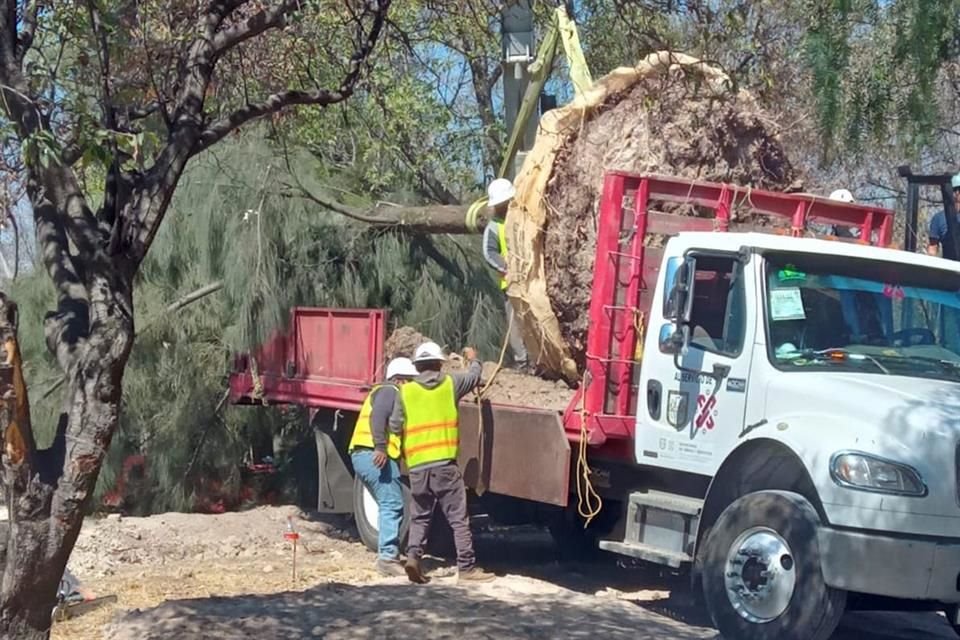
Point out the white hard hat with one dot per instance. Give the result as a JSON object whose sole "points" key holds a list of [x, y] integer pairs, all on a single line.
{"points": [[843, 195], [401, 367], [500, 190], [955, 181], [429, 352]]}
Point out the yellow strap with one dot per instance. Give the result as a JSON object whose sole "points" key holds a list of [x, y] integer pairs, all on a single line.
{"points": [[473, 212], [579, 71]]}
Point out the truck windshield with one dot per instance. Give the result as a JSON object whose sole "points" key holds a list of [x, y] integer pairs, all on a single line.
{"points": [[843, 314]]}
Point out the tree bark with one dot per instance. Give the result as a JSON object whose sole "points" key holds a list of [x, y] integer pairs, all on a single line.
{"points": [[92, 258], [427, 219]]}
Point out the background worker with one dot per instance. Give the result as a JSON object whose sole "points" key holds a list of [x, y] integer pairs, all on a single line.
{"points": [[938, 223], [375, 454], [499, 194], [431, 438]]}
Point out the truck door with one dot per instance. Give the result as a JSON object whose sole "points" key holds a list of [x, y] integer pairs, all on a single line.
{"points": [[690, 420]]}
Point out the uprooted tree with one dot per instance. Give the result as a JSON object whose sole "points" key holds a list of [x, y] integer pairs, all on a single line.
{"points": [[105, 103]]}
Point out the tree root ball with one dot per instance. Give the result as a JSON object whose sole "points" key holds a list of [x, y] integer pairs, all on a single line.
{"points": [[668, 120]]}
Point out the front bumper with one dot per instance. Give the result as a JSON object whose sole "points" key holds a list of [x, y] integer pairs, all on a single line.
{"points": [[905, 567]]}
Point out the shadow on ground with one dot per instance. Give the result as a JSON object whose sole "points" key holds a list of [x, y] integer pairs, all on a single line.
{"points": [[395, 611], [536, 597]]}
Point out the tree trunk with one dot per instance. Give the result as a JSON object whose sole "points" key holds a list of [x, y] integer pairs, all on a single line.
{"points": [[47, 491]]}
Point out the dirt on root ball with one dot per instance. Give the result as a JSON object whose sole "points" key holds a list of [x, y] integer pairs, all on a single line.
{"points": [[503, 386], [521, 389], [666, 125], [402, 343]]}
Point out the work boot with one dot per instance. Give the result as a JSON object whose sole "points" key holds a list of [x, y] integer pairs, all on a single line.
{"points": [[414, 573], [474, 574], [389, 568]]}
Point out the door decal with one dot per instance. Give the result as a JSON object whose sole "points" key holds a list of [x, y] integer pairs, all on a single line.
{"points": [[677, 403]]}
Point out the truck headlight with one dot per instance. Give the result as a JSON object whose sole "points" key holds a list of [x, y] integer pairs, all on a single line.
{"points": [[869, 473]]}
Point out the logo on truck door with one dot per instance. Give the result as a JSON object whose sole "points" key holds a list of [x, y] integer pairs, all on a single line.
{"points": [[706, 411]]}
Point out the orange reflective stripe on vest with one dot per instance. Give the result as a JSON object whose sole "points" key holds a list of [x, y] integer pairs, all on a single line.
{"points": [[363, 434], [430, 433]]}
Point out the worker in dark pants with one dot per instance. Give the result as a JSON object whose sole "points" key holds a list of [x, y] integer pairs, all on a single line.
{"points": [[499, 194], [431, 438], [938, 223], [375, 453]]}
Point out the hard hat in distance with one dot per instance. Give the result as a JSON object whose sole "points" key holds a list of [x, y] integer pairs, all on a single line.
{"points": [[500, 190], [955, 181], [843, 195], [429, 352], [401, 368]]}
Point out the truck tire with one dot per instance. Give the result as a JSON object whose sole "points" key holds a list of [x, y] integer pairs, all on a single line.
{"points": [[760, 532], [573, 541], [366, 514], [951, 613]]}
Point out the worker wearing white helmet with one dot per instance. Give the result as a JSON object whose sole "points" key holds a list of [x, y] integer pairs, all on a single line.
{"points": [[375, 453], [843, 195], [499, 194], [429, 420], [938, 223]]}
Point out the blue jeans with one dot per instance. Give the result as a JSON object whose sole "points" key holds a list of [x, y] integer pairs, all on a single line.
{"points": [[384, 484]]}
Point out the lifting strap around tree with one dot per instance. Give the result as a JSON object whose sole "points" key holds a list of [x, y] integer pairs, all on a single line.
{"points": [[561, 28]]}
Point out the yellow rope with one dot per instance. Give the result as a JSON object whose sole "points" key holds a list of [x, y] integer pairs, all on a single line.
{"points": [[589, 502], [257, 382], [481, 393]]}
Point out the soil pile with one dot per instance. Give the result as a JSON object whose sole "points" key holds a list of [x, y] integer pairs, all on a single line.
{"points": [[672, 115], [503, 386], [402, 343]]}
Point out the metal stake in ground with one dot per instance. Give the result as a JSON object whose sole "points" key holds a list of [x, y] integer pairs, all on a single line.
{"points": [[292, 535]]}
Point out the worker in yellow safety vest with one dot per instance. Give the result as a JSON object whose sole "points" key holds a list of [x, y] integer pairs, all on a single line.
{"points": [[499, 194], [375, 453], [431, 439]]}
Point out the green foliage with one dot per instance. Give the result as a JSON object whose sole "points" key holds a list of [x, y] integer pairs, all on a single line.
{"points": [[879, 69], [229, 223]]}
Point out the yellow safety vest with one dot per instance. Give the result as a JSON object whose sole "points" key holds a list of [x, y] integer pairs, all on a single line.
{"points": [[502, 238], [363, 434], [430, 433]]}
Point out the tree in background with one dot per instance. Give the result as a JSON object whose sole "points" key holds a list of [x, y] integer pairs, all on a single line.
{"points": [[69, 103]]}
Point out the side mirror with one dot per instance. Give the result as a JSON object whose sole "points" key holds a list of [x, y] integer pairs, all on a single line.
{"points": [[681, 303]]}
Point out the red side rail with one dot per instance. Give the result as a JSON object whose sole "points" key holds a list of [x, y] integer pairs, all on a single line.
{"points": [[626, 272], [325, 358]]}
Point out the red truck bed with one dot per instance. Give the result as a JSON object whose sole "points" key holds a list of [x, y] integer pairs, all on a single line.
{"points": [[626, 272], [329, 358], [326, 358]]}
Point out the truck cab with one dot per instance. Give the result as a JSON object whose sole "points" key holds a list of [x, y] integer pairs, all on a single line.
{"points": [[774, 409], [816, 384]]}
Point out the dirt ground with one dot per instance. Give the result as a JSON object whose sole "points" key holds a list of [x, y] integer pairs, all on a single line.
{"points": [[229, 576]]}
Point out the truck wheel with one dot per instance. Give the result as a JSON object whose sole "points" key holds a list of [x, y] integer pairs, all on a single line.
{"points": [[366, 513], [951, 613], [761, 571]]}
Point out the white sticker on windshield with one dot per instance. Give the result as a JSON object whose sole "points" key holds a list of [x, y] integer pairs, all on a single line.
{"points": [[786, 304]]}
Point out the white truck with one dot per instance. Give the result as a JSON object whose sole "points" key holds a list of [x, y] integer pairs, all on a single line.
{"points": [[779, 414]]}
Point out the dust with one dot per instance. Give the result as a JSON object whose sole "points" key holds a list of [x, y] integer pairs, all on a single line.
{"points": [[669, 124]]}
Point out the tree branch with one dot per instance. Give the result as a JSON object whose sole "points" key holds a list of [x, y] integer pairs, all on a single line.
{"points": [[422, 220], [29, 29], [366, 40], [254, 25]]}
